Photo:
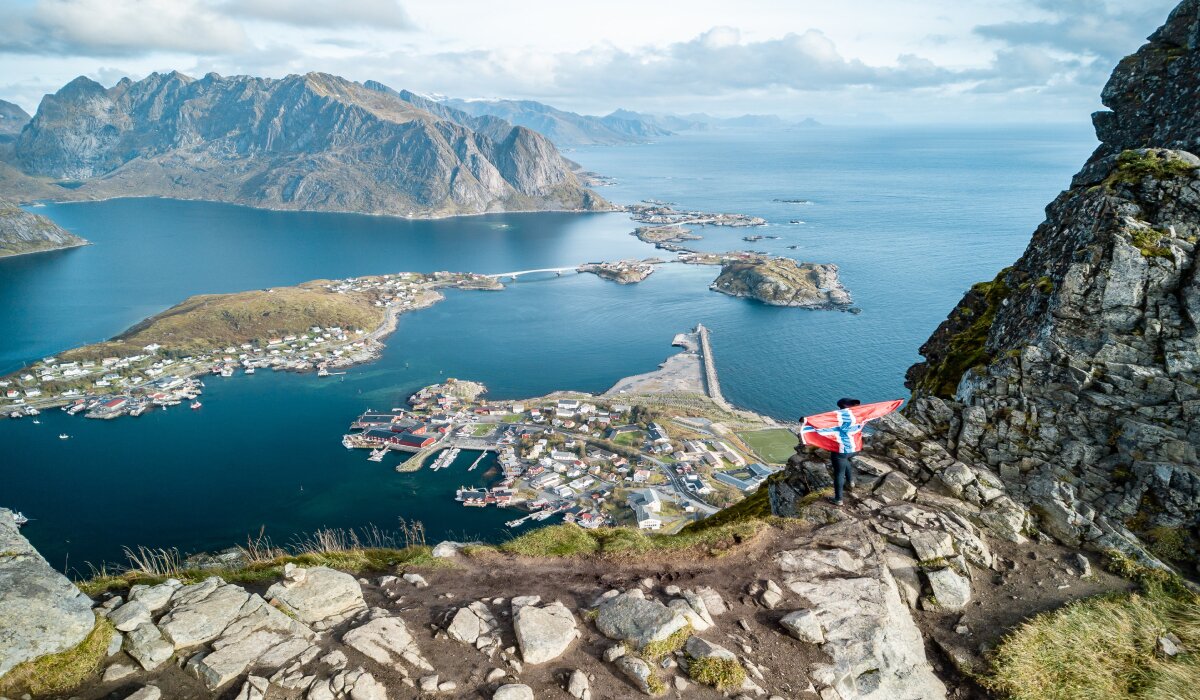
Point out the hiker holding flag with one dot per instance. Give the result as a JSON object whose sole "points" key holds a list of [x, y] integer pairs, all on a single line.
{"points": [[840, 432]]}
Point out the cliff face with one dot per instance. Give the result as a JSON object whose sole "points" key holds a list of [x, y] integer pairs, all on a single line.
{"points": [[315, 142], [1076, 372], [22, 232]]}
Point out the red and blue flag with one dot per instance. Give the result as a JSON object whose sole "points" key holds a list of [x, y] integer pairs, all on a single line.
{"points": [[841, 430]]}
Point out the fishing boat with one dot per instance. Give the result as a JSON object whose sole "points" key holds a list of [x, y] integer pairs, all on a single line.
{"points": [[19, 518], [377, 455], [37, 422], [63, 436], [249, 370], [195, 405], [348, 442]]}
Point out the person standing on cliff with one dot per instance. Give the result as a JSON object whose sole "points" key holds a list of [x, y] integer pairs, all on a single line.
{"points": [[840, 432]]}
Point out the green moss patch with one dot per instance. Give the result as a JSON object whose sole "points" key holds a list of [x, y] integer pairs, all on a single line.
{"points": [[655, 652], [968, 347], [571, 540], [1135, 166]]}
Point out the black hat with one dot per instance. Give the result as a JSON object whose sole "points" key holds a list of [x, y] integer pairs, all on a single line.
{"points": [[848, 403]]}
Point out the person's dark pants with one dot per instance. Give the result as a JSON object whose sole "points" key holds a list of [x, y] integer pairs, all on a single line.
{"points": [[843, 472]]}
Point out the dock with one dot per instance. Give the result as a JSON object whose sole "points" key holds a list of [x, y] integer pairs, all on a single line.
{"points": [[477, 461]]}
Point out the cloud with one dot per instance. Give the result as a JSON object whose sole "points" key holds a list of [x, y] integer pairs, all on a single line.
{"points": [[1098, 29], [384, 14], [118, 28]]}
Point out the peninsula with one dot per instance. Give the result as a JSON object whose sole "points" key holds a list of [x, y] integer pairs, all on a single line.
{"points": [[22, 232]]}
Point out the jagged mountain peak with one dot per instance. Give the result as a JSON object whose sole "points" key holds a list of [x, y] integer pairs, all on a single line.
{"points": [[312, 141]]}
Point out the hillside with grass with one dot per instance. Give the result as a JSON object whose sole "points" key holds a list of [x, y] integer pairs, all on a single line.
{"points": [[214, 321]]}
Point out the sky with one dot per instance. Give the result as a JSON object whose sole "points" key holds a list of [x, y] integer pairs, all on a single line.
{"points": [[934, 61]]}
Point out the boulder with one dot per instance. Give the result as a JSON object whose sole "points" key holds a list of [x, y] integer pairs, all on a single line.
{"points": [[416, 579], [146, 644], [698, 648], [448, 549], [804, 625], [261, 638], [641, 675], [129, 615], [694, 618], [155, 598], [41, 611], [513, 691], [895, 487], [199, 613], [323, 597], [117, 672], [771, 595], [471, 623], [636, 620], [149, 692], [544, 632], [931, 545], [387, 640], [255, 688], [578, 686], [951, 590], [713, 601]]}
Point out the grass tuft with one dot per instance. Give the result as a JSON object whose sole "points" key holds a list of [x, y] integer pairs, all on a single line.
{"points": [[655, 652], [572, 540], [722, 674], [1102, 649], [58, 673]]}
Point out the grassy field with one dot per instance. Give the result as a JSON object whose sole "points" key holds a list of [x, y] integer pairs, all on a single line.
{"points": [[631, 439], [773, 446]]}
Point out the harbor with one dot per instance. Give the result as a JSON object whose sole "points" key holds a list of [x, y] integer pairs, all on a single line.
{"points": [[593, 460]]}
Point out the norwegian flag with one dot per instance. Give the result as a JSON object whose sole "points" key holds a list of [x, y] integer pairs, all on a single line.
{"points": [[841, 430]]}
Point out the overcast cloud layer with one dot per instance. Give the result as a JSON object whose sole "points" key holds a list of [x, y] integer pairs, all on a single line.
{"points": [[858, 60]]}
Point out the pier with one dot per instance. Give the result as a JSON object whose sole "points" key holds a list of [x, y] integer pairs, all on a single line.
{"points": [[712, 384]]}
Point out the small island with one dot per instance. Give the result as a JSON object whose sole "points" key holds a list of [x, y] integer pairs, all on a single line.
{"points": [[783, 282], [622, 271], [22, 233]]}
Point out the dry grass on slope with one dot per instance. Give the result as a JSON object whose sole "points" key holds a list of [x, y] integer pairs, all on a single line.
{"points": [[1105, 648], [208, 321]]}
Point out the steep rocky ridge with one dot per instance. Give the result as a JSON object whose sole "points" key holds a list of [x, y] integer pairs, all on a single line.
{"points": [[12, 119], [22, 232], [565, 128], [1075, 374], [315, 142]]}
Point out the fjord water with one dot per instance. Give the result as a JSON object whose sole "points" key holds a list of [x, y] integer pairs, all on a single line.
{"points": [[911, 216]]}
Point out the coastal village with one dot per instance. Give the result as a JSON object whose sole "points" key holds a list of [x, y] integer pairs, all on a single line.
{"points": [[158, 376], [656, 452]]}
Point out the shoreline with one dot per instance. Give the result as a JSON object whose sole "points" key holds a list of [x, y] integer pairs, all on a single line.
{"points": [[47, 250]]}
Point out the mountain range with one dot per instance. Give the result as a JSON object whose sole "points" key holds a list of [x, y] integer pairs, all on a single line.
{"points": [[312, 142]]}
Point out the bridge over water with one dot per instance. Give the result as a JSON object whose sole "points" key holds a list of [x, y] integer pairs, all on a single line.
{"points": [[518, 273]]}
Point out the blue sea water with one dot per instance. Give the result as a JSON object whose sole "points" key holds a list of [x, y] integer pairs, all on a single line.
{"points": [[911, 216]]}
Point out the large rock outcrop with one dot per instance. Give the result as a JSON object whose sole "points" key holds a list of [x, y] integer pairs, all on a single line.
{"points": [[41, 612], [1075, 373], [314, 142], [22, 232], [12, 119]]}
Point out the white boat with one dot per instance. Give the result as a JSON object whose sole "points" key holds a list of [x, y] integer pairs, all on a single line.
{"points": [[348, 442], [63, 436], [19, 518], [249, 370], [37, 422], [196, 405]]}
